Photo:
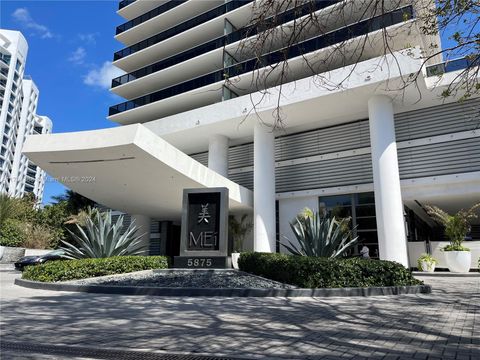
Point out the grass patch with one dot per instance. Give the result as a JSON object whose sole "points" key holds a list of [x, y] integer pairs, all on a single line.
{"points": [[63, 270]]}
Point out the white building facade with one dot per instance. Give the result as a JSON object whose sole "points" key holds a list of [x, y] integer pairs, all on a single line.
{"points": [[194, 118], [18, 118]]}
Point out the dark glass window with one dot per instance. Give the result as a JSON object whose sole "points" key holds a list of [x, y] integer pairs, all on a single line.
{"points": [[361, 208]]}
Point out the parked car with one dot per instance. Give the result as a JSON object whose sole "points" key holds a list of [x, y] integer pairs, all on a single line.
{"points": [[40, 259]]}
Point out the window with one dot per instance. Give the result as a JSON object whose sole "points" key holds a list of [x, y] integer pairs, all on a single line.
{"points": [[361, 208], [5, 58], [18, 65], [15, 77]]}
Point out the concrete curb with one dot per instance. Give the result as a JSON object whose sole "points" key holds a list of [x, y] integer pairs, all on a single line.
{"points": [[446, 274], [206, 292]]}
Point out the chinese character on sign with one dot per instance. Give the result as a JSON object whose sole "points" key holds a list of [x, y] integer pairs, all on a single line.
{"points": [[204, 216]]}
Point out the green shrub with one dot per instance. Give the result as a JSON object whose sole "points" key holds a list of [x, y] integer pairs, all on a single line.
{"points": [[318, 272], [63, 270], [12, 233]]}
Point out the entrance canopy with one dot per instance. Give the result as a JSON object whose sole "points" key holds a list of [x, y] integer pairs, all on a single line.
{"points": [[128, 168]]}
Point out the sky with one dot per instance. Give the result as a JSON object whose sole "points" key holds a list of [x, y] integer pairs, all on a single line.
{"points": [[71, 46]]}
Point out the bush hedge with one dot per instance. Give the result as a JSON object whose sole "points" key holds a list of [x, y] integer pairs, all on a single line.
{"points": [[62, 270], [318, 272], [12, 233]]}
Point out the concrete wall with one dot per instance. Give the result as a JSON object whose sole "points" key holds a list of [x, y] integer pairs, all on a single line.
{"points": [[474, 247]]}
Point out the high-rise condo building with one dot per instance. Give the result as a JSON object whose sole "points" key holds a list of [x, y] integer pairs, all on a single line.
{"points": [[202, 99], [18, 118]]}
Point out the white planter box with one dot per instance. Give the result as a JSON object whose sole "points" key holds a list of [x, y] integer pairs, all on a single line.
{"points": [[428, 267], [458, 261]]}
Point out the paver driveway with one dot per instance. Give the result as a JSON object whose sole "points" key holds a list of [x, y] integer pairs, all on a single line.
{"points": [[444, 324]]}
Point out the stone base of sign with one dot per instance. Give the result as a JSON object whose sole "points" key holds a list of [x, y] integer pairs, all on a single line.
{"points": [[202, 262]]}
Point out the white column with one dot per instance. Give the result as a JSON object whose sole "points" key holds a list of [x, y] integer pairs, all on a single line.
{"points": [[386, 180], [264, 189], [218, 154], [143, 224]]}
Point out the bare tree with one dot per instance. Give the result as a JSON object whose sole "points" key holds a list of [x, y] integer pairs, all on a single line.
{"points": [[325, 35]]}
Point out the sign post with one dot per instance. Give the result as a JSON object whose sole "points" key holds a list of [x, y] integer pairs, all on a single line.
{"points": [[204, 235]]}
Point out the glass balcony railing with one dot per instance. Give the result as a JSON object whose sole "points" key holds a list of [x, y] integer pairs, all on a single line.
{"points": [[452, 65], [220, 42], [149, 15], [195, 21], [305, 47], [124, 3]]}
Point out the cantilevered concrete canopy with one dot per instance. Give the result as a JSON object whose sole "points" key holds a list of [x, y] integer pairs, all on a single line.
{"points": [[128, 168]]}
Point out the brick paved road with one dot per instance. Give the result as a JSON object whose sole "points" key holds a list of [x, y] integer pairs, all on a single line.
{"points": [[444, 324]]}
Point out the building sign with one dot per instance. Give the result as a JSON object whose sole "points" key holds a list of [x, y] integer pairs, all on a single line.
{"points": [[203, 222], [204, 240]]}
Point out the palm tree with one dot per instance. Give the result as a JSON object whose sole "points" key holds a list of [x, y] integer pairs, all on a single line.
{"points": [[75, 202], [8, 208]]}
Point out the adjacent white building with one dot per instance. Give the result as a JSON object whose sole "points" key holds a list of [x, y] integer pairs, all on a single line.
{"points": [[194, 118], [18, 118]]}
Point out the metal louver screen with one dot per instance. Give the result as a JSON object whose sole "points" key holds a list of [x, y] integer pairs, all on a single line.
{"points": [[240, 156], [323, 141], [336, 172], [202, 158], [245, 179], [438, 120], [452, 157]]}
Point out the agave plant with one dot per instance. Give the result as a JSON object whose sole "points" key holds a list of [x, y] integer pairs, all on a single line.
{"points": [[103, 237], [320, 236]]}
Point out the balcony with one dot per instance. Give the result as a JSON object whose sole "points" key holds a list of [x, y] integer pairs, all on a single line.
{"points": [[124, 3], [320, 42], [186, 25], [149, 15], [219, 42], [452, 65]]}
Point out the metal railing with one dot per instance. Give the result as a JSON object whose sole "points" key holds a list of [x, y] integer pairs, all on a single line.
{"points": [[124, 3], [149, 15], [317, 43], [452, 65], [186, 25], [219, 42]]}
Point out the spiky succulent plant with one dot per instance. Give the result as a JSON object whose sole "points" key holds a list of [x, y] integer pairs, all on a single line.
{"points": [[102, 237], [320, 236]]}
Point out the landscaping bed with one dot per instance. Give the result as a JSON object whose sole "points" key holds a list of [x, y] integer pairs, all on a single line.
{"points": [[260, 274], [317, 272], [64, 270], [212, 279]]}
